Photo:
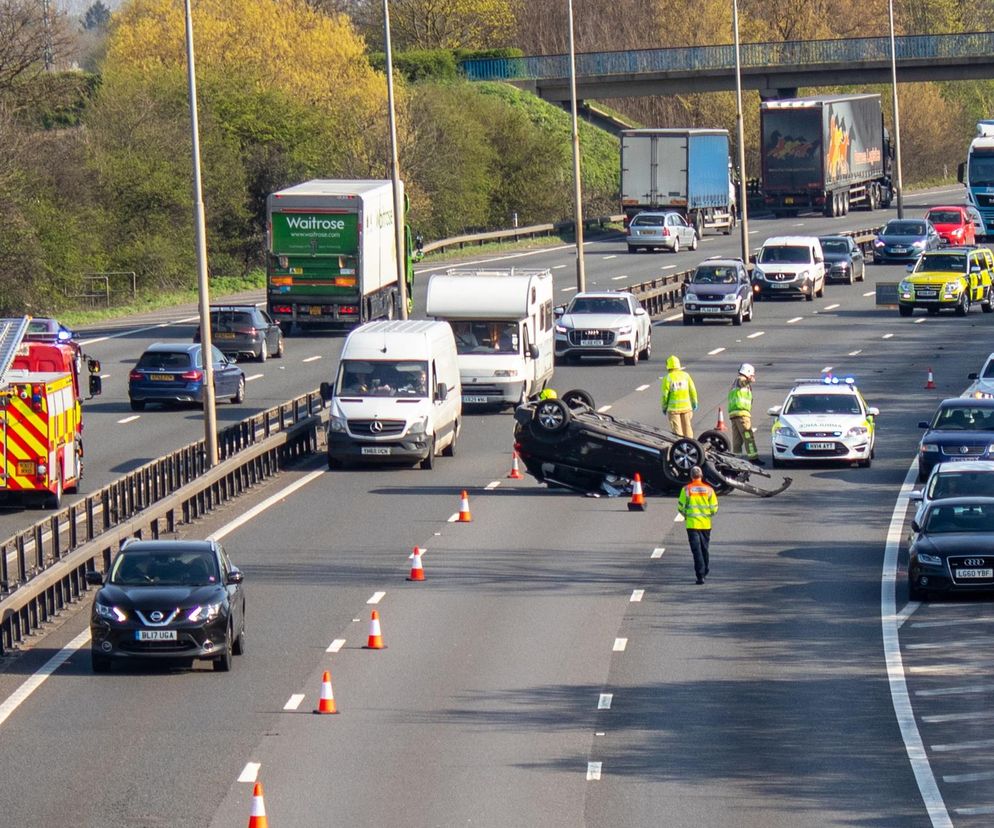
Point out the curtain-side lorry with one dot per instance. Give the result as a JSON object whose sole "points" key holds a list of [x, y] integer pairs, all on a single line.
{"points": [[331, 254], [977, 173]]}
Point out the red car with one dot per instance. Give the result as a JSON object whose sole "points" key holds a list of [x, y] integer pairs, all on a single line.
{"points": [[954, 224]]}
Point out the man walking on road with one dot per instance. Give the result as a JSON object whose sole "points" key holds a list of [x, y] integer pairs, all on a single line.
{"points": [[740, 413], [678, 398], [698, 504]]}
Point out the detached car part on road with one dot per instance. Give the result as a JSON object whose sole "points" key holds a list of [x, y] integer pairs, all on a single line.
{"points": [[565, 442]]}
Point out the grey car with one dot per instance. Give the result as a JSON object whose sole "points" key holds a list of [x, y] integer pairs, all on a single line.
{"points": [[904, 240], [844, 260], [654, 231], [719, 289], [244, 330]]}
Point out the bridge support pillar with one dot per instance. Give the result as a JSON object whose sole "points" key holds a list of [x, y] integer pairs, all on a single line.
{"points": [[778, 94]]}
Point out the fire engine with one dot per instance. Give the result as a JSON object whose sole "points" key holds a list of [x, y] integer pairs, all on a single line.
{"points": [[41, 424]]}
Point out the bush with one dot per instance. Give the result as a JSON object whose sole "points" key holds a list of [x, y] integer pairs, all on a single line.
{"points": [[419, 64]]}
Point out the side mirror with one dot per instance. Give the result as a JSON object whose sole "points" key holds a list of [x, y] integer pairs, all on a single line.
{"points": [[325, 391], [774, 411], [96, 385], [973, 375], [640, 311], [915, 497], [752, 259], [923, 424], [94, 578], [93, 366], [442, 392], [234, 577], [915, 526], [873, 411], [533, 351], [559, 310]]}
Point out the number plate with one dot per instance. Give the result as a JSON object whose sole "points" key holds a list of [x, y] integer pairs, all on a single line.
{"points": [[710, 310], [25, 467], [778, 285], [899, 250], [926, 294], [380, 450], [224, 335], [975, 573], [315, 310], [788, 200], [468, 399], [161, 377], [155, 635], [593, 342], [819, 446]]}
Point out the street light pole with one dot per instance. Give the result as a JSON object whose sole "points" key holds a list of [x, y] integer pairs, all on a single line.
{"points": [[740, 130], [897, 117], [398, 201], [210, 414], [581, 276]]}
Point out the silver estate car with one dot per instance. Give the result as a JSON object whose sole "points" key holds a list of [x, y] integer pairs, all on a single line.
{"points": [[653, 231]]}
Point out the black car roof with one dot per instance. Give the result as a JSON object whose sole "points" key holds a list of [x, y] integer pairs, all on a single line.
{"points": [[967, 402], [169, 546]]}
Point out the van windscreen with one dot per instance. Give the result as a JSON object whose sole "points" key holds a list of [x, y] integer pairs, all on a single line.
{"points": [[382, 378]]}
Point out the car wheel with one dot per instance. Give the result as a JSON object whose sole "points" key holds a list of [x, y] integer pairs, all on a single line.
{"points": [[54, 499], [685, 453], [752, 310], [916, 593], [714, 440], [688, 320], [809, 297], [922, 475], [985, 303], [429, 462], [138, 405], [577, 399], [280, 347], [240, 393], [821, 293], [862, 273], [647, 350], [963, 307], [865, 464], [99, 663], [238, 648], [551, 416], [737, 319], [334, 463], [634, 358], [852, 277], [450, 449], [693, 242], [222, 664], [263, 354], [676, 245]]}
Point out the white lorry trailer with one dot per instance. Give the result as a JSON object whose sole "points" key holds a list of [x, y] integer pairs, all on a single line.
{"points": [[503, 325]]}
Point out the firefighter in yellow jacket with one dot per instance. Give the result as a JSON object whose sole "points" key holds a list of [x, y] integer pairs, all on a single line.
{"points": [[678, 398], [740, 413], [698, 504]]}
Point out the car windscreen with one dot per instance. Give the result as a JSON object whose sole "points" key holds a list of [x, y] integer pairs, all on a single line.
{"points": [[961, 484], [785, 254], [165, 360], [649, 221], [478, 337], [822, 404], [988, 370], [834, 246], [715, 275], [164, 568], [951, 262], [945, 217], [231, 319], [904, 228], [597, 304], [948, 517], [963, 418], [382, 378]]}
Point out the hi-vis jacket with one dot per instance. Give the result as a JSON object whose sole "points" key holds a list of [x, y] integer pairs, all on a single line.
{"points": [[698, 504], [740, 398], [677, 393]]}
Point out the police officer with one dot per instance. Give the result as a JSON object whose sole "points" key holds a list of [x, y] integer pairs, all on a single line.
{"points": [[678, 398], [740, 413], [698, 504]]}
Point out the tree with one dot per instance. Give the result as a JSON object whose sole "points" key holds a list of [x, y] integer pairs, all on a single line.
{"points": [[440, 24], [27, 39], [97, 17]]}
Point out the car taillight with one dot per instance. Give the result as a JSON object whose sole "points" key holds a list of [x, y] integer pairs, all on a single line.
{"points": [[135, 375], [192, 375], [666, 231], [247, 331], [282, 309], [348, 309]]}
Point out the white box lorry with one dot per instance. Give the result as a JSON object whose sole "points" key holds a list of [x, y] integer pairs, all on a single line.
{"points": [[503, 325], [396, 396]]}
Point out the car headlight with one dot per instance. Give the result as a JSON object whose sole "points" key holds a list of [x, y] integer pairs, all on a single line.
{"points": [[560, 329], [336, 423], [506, 372], [757, 273], [691, 297], [952, 288], [930, 560], [418, 427], [878, 243], [905, 286], [205, 612], [918, 245], [109, 612], [804, 274], [627, 329], [857, 431], [784, 430], [928, 448]]}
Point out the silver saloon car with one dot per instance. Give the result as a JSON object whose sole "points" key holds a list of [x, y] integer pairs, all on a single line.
{"points": [[655, 231]]}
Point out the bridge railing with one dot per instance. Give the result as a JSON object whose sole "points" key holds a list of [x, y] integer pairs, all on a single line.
{"points": [[722, 57]]}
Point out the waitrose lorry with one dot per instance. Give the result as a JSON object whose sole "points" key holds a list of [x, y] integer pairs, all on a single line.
{"points": [[824, 153], [687, 170], [331, 253]]}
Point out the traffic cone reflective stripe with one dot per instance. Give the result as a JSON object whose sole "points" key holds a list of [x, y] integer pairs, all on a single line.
{"points": [[327, 702], [417, 570], [515, 472], [464, 515], [257, 818], [721, 421], [930, 383], [375, 640], [637, 503]]}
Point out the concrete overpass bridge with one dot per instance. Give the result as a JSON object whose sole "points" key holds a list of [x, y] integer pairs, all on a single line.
{"points": [[775, 69]]}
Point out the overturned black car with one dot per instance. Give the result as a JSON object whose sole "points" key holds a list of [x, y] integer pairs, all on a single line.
{"points": [[565, 442]]}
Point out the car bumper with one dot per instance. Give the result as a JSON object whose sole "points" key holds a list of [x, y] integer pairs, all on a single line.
{"points": [[190, 394], [937, 579], [711, 310], [667, 243], [837, 275], [940, 302], [508, 393], [788, 290], [620, 348], [344, 447], [192, 641], [890, 256], [238, 347], [799, 451]]}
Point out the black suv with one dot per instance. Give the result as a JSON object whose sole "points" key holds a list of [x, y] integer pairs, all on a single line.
{"points": [[168, 599], [244, 330]]}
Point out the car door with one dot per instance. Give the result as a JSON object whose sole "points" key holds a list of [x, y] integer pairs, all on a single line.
{"points": [[683, 230], [745, 288], [856, 260], [225, 384], [272, 332]]}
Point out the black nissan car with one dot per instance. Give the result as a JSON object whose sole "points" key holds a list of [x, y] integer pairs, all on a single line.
{"points": [[168, 599], [952, 551]]}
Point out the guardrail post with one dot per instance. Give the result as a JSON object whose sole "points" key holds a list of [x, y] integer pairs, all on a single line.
{"points": [[56, 530], [39, 535]]}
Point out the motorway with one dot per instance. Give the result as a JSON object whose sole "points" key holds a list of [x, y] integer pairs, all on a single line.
{"points": [[559, 666]]}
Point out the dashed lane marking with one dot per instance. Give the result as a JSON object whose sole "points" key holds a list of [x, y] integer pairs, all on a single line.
{"points": [[949, 622], [637, 595], [938, 670], [668, 267], [130, 419], [920, 319], [870, 293], [254, 377], [336, 645], [642, 387], [612, 256], [312, 358], [593, 771], [567, 289], [493, 484], [376, 597], [979, 810], [619, 645], [139, 330], [604, 409], [887, 336], [674, 317], [795, 319], [857, 352], [906, 612], [658, 552], [294, 701], [969, 716], [619, 278], [251, 771], [756, 335], [798, 224], [977, 744], [826, 369], [965, 690], [559, 267], [604, 701], [831, 307], [981, 776], [715, 352]]}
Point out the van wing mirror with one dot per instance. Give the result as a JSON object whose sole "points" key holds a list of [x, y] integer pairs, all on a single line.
{"points": [[533, 351], [442, 392], [973, 375], [774, 411], [325, 391], [93, 366], [915, 526], [96, 385]]}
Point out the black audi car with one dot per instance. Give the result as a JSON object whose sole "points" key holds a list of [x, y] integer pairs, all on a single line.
{"points": [[962, 428], [168, 600], [953, 549]]}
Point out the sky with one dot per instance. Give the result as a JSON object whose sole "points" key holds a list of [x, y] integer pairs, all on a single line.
{"points": [[77, 8]]}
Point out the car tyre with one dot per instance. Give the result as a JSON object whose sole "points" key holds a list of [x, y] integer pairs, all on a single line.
{"points": [[693, 243], [239, 397], [685, 453], [54, 499], [263, 354], [862, 273], [737, 319], [99, 663], [634, 358], [916, 593], [138, 405], [985, 303], [714, 440], [238, 648], [450, 449], [551, 416], [963, 307], [577, 399], [676, 245], [647, 350], [809, 297], [429, 462], [222, 664], [820, 293], [280, 347]]}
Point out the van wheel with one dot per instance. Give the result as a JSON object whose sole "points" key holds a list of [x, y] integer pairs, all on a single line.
{"points": [[429, 461], [450, 449], [54, 500]]}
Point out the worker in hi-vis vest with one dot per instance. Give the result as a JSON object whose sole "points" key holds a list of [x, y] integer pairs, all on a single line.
{"points": [[678, 398]]}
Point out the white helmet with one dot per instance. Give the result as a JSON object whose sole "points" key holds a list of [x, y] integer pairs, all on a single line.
{"points": [[747, 371]]}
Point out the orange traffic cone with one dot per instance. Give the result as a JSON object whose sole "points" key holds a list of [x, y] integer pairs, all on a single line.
{"points": [[417, 570], [720, 426], [375, 640], [327, 702], [464, 515], [637, 503], [930, 383], [257, 818], [515, 472]]}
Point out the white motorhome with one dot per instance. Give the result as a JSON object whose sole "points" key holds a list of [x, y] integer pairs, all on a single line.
{"points": [[396, 396], [503, 325]]}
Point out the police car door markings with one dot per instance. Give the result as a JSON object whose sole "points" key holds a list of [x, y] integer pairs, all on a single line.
{"points": [[715, 352], [376, 597], [130, 419], [795, 319], [294, 701], [250, 772], [336, 645], [312, 358], [604, 701], [637, 595], [619, 645], [755, 335], [658, 552]]}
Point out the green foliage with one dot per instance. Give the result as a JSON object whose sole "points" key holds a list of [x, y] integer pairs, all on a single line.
{"points": [[419, 64]]}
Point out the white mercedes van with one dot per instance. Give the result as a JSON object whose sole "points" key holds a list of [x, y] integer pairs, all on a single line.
{"points": [[396, 397]]}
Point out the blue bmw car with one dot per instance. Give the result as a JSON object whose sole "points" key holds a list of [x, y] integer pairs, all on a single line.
{"points": [[174, 373]]}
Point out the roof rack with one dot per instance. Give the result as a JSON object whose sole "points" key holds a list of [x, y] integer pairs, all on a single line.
{"points": [[12, 331]]}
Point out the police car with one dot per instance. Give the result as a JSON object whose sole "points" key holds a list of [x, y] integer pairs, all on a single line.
{"points": [[823, 419]]}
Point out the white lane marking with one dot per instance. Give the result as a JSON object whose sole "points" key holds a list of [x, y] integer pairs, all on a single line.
{"points": [[755, 335], [870, 293], [971, 715], [130, 419], [139, 330], [251, 771], [21, 694], [906, 612], [974, 745], [375, 598], [856, 352], [826, 369], [982, 776], [642, 387], [887, 336], [939, 646], [336, 645], [658, 552], [270, 501], [900, 698], [831, 307], [715, 352], [604, 701], [637, 595], [312, 358], [619, 278], [668, 267], [619, 645], [979, 810], [567, 289], [537, 252], [559, 267], [678, 518], [798, 224], [253, 377], [949, 622], [937, 669], [753, 232], [453, 518], [795, 319], [604, 408], [105, 376], [954, 691], [493, 484], [612, 256], [593, 771], [294, 701], [674, 317]]}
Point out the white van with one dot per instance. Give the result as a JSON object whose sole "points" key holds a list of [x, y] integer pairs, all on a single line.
{"points": [[503, 325], [396, 396]]}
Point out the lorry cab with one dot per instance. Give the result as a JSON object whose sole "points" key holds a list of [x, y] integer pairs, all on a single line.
{"points": [[502, 321], [396, 395]]}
